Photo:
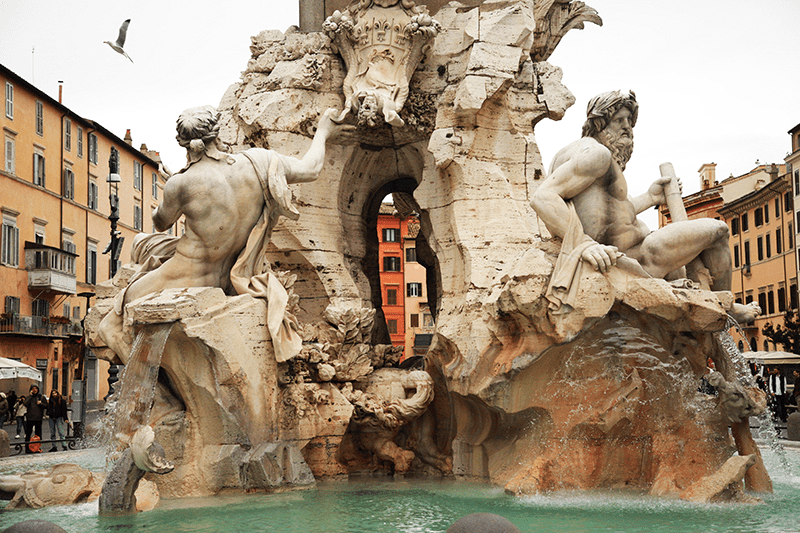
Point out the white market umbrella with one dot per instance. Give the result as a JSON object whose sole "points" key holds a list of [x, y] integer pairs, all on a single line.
{"points": [[773, 358], [10, 369]]}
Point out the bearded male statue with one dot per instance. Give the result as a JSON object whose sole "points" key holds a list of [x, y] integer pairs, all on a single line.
{"points": [[585, 201]]}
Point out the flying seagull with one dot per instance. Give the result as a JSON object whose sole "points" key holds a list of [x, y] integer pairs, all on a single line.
{"points": [[117, 46]]}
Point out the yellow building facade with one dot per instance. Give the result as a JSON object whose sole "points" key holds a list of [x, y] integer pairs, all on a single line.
{"points": [[762, 246], [55, 204]]}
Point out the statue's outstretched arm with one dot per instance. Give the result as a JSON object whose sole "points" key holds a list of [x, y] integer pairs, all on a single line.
{"points": [[307, 169]]}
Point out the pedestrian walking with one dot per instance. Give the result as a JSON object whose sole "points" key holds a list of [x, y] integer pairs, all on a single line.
{"points": [[36, 405], [20, 414], [57, 415]]}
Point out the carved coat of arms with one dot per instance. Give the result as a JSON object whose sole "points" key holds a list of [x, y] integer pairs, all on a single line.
{"points": [[382, 43]]}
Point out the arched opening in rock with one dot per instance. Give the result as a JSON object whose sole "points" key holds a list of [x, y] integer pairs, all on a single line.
{"points": [[371, 174], [400, 267]]}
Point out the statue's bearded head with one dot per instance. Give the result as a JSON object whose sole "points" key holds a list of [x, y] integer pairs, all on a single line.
{"points": [[610, 118]]}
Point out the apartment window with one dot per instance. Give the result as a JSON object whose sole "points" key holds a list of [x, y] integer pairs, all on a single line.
{"points": [[411, 255], [69, 246], [38, 170], [76, 313], [778, 241], [781, 299], [93, 148], [771, 302], [747, 252], [155, 186], [767, 245], [762, 301], [92, 200], [736, 256], [793, 294], [80, 141], [69, 184], [391, 264], [758, 216], [12, 305], [413, 320], [790, 237], [11, 155], [414, 290], [778, 204], [749, 297], [745, 223], [68, 135], [40, 307], [9, 255], [91, 263], [760, 248], [766, 213], [735, 226], [787, 202], [392, 326], [137, 175], [66, 310], [39, 118], [9, 101], [391, 296], [391, 235], [137, 217]]}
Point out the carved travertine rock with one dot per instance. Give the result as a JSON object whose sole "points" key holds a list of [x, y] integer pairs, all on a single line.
{"points": [[65, 484], [724, 484], [386, 402]]}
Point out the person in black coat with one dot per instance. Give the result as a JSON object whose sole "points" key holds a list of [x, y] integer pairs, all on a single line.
{"points": [[37, 405], [57, 413]]}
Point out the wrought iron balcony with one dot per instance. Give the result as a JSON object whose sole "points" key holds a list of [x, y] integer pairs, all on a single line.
{"points": [[49, 268], [39, 325]]}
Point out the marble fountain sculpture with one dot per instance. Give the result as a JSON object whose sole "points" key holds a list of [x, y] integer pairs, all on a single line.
{"points": [[257, 356]]}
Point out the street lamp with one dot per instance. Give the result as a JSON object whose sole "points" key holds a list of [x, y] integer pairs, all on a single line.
{"points": [[115, 244], [114, 247]]}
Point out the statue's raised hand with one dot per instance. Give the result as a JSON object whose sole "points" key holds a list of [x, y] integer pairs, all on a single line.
{"points": [[329, 124], [657, 190]]}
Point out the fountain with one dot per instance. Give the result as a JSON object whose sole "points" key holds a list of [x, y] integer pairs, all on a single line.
{"points": [[277, 371]]}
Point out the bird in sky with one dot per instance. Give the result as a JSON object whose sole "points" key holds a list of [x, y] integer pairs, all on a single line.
{"points": [[117, 46]]}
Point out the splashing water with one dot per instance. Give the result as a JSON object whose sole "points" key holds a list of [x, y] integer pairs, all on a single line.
{"points": [[766, 426], [133, 401]]}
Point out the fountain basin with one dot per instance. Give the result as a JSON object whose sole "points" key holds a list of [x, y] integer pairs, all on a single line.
{"points": [[431, 506]]}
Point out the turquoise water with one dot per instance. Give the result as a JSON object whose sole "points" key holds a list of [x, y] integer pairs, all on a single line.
{"points": [[425, 506]]}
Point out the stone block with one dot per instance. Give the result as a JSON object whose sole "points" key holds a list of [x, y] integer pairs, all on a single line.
{"points": [[793, 425], [498, 60], [507, 23], [273, 464]]}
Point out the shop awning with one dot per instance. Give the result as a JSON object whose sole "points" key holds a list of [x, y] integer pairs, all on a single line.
{"points": [[11, 369]]}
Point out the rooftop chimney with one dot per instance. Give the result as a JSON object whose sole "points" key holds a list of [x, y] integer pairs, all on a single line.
{"points": [[128, 139], [60, 89]]}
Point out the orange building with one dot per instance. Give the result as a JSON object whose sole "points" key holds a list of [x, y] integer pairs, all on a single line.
{"points": [[390, 256], [55, 204]]}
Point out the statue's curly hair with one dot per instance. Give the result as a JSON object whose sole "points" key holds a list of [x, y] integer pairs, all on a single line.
{"points": [[603, 106], [197, 127]]}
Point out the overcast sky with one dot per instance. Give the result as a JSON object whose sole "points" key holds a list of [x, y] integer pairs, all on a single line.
{"points": [[716, 80]]}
